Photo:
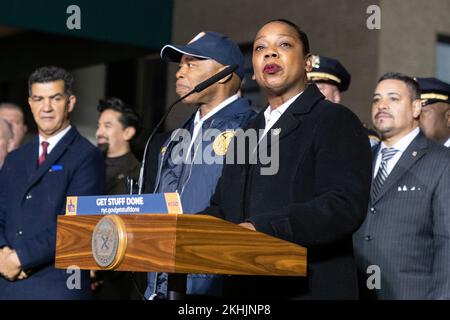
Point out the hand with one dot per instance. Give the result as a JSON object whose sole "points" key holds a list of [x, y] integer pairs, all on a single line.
{"points": [[22, 275], [10, 267], [247, 225], [96, 283]]}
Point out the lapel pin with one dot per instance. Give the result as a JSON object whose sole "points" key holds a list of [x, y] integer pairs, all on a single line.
{"points": [[414, 153], [276, 131]]}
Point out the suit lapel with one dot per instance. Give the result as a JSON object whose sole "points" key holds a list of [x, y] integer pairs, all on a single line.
{"points": [[416, 150], [256, 124], [291, 118], [52, 157], [375, 152], [31, 163]]}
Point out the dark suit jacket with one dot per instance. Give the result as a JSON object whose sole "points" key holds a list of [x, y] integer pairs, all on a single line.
{"points": [[407, 229], [317, 199], [31, 198]]}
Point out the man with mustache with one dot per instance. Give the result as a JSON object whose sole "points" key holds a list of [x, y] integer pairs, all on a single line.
{"points": [[319, 195], [220, 111], [403, 247], [117, 125]]}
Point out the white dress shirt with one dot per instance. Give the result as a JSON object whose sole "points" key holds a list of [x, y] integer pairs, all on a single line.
{"points": [[198, 120], [447, 143], [401, 146], [52, 141], [272, 115]]}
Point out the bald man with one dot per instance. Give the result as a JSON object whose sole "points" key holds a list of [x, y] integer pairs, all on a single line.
{"points": [[14, 115], [6, 140]]}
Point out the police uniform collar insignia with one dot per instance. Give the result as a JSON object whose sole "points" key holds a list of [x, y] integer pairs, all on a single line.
{"points": [[222, 141]]}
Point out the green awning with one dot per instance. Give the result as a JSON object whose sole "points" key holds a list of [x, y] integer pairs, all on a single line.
{"points": [[141, 23]]}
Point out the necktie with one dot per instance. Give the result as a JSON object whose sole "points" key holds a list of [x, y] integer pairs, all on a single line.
{"points": [[382, 174], [44, 152]]}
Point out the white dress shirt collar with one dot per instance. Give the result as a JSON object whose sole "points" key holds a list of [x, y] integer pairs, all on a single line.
{"points": [[198, 121], [52, 141], [272, 115], [447, 143], [401, 146], [219, 107], [404, 142]]}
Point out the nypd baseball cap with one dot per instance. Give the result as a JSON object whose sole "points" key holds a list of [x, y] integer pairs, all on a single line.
{"points": [[208, 45]]}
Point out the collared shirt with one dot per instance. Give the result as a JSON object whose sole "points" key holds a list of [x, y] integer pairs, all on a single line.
{"points": [[198, 120], [401, 146], [447, 143], [272, 116], [52, 141]]}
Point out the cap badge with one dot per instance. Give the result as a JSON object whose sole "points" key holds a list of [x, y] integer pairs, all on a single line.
{"points": [[316, 61]]}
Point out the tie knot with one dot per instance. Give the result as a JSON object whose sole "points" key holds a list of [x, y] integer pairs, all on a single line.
{"points": [[44, 146], [387, 153]]}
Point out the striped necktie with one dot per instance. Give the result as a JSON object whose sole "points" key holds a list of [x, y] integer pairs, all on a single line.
{"points": [[382, 174]]}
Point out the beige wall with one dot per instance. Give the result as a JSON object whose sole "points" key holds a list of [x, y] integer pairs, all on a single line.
{"points": [[89, 87], [409, 35], [335, 28]]}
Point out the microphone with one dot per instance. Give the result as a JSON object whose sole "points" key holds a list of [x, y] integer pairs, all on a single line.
{"points": [[198, 88], [219, 76]]}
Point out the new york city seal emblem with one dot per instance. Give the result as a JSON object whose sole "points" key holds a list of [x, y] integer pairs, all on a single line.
{"points": [[109, 242]]}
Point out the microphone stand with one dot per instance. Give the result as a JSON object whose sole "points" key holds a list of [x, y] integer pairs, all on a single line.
{"points": [[177, 283], [200, 87]]}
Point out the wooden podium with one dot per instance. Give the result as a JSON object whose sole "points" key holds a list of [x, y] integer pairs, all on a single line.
{"points": [[180, 243]]}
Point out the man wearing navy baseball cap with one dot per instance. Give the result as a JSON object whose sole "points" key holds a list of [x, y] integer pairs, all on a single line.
{"points": [[221, 110], [330, 76], [435, 115]]}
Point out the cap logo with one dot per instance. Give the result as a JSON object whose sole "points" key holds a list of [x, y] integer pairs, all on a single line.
{"points": [[316, 61], [200, 35]]}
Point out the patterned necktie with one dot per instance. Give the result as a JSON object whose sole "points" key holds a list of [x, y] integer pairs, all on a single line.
{"points": [[44, 152], [382, 174]]}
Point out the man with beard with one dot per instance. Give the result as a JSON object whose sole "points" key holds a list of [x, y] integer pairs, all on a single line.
{"points": [[117, 125], [402, 249]]}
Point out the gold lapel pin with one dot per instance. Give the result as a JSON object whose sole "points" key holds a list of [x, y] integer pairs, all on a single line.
{"points": [[276, 131]]}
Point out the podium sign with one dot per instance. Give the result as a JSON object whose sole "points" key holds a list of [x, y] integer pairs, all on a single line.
{"points": [[124, 204]]}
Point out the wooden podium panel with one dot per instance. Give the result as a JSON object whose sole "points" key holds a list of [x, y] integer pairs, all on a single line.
{"points": [[182, 243]]}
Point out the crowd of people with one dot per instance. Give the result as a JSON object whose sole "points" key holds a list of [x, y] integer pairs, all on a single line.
{"points": [[372, 206]]}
